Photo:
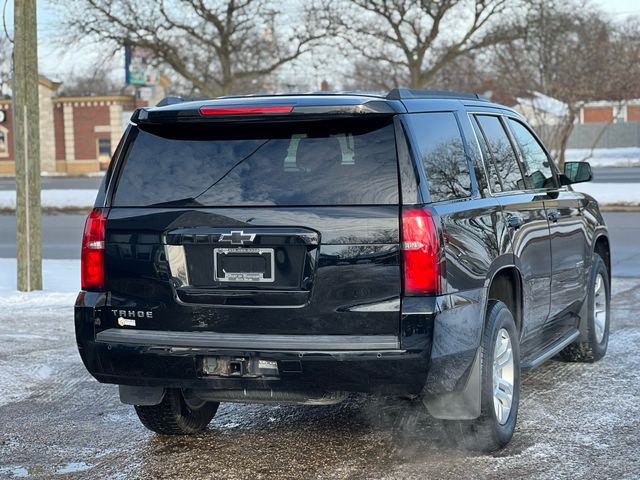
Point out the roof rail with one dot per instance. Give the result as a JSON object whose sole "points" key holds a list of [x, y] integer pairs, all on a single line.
{"points": [[411, 93]]}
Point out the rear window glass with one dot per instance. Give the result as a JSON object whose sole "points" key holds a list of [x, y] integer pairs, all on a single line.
{"points": [[309, 163], [442, 152]]}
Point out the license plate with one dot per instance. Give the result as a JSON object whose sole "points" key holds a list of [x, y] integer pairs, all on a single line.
{"points": [[243, 265]]}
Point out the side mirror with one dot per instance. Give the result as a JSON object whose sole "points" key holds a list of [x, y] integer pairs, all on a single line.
{"points": [[576, 172]]}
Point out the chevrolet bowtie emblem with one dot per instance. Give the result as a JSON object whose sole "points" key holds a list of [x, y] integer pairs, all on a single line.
{"points": [[237, 237]]}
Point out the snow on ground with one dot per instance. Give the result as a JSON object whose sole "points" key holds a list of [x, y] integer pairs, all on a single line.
{"points": [[71, 198], [576, 420], [612, 193], [605, 157], [21, 373], [60, 276]]}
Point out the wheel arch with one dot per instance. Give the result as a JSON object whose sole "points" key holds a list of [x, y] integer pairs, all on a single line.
{"points": [[465, 404], [602, 247], [505, 285]]}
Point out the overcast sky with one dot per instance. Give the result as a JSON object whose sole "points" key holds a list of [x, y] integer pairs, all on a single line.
{"points": [[60, 63]]}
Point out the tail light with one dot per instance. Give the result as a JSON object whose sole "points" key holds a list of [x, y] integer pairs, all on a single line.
{"points": [[92, 257], [421, 253], [245, 110]]}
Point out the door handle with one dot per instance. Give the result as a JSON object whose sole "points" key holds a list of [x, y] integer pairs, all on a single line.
{"points": [[553, 216], [515, 221]]}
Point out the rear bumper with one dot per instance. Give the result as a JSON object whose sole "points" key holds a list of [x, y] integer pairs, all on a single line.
{"points": [[439, 338], [305, 362], [388, 371]]}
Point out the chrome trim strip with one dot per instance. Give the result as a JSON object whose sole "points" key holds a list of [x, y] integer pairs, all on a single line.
{"points": [[248, 341], [177, 263], [246, 277]]}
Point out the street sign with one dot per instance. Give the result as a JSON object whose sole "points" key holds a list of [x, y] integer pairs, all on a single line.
{"points": [[139, 69], [145, 93]]}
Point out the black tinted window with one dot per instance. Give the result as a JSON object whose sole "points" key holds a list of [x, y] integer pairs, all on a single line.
{"points": [[503, 156], [442, 151], [339, 163], [536, 163], [490, 167]]}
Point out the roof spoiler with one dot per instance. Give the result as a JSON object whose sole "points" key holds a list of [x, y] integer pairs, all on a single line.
{"points": [[178, 110]]}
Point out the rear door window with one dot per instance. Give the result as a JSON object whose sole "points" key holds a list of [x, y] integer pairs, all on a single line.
{"points": [[442, 152], [488, 160], [502, 153], [536, 162], [308, 163]]}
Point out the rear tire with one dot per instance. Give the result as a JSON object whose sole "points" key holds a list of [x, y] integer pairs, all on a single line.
{"points": [[597, 327], [500, 389], [173, 416]]}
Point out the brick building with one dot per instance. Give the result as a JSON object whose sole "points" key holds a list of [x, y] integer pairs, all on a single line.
{"points": [[610, 112], [541, 109], [77, 134]]}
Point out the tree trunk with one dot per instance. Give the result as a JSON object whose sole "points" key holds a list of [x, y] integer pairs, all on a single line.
{"points": [[414, 77], [565, 133], [27, 147]]}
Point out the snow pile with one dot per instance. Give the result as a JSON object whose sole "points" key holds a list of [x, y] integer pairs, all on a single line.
{"points": [[540, 102], [61, 278], [605, 157], [612, 193], [58, 199]]}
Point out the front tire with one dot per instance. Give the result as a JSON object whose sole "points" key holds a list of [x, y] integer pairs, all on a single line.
{"points": [[597, 322], [500, 389], [175, 416]]}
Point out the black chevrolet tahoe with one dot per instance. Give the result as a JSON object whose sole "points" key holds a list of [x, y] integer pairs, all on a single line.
{"points": [[298, 248]]}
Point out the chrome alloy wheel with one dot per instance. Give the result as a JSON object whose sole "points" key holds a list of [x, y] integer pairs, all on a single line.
{"points": [[599, 308], [503, 376]]}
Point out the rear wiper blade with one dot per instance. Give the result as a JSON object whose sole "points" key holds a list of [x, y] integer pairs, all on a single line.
{"points": [[192, 201], [181, 202], [247, 157]]}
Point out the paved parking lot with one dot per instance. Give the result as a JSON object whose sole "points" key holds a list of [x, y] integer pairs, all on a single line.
{"points": [[577, 420]]}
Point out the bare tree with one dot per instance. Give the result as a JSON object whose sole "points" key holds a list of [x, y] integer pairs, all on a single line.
{"points": [[218, 47], [97, 81], [415, 40], [571, 53], [466, 73], [377, 77], [463, 74]]}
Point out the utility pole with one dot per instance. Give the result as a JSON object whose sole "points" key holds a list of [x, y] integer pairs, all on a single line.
{"points": [[26, 121]]}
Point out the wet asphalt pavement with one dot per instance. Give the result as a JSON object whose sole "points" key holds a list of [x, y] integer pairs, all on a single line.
{"points": [[576, 420]]}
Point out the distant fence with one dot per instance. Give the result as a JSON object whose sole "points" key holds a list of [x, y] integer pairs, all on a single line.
{"points": [[612, 135]]}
